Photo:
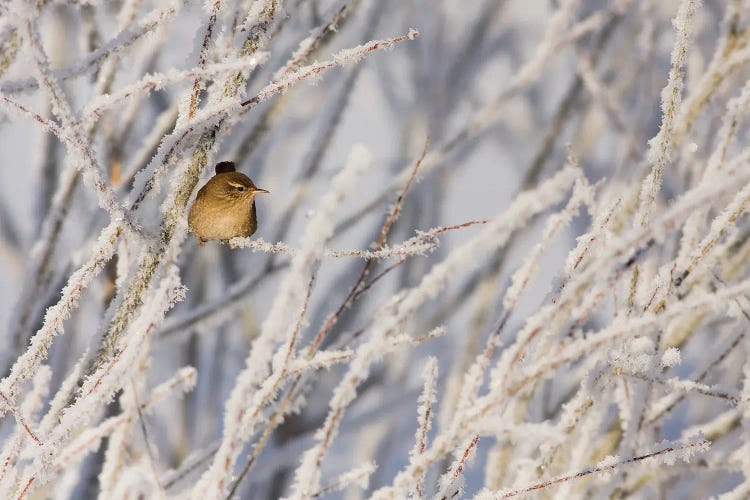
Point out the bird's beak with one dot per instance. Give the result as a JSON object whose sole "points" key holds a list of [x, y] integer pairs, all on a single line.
{"points": [[259, 190]]}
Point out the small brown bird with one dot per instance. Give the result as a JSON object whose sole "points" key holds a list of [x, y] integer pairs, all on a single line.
{"points": [[225, 207]]}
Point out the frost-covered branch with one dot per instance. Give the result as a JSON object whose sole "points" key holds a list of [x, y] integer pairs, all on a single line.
{"points": [[677, 451], [660, 147]]}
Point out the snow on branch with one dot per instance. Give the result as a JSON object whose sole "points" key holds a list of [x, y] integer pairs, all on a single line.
{"points": [[422, 243], [359, 477], [452, 482], [660, 147], [665, 455], [16, 106], [413, 485]]}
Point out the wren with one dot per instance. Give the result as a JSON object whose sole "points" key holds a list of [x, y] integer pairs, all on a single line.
{"points": [[225, 207]]}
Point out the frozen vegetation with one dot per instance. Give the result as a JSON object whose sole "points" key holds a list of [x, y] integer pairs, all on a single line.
{"points": [[505, 251]]}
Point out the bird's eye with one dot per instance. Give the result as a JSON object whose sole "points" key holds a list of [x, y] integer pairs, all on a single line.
{"points": [[240, 188]]}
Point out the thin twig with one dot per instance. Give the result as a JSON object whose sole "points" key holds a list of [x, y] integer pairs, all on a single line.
{"points": [[699, 446]]}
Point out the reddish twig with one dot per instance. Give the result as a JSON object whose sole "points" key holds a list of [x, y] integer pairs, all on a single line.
{"points": [[602, 468], [19, 418], [48, 124]]}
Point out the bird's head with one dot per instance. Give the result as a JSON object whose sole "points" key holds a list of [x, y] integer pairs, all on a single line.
{"points": [[229, 184]]}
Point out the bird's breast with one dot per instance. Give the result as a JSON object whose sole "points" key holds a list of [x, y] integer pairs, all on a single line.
{"points": [[222, 221]]}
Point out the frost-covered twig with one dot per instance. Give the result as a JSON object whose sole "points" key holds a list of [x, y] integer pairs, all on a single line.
{"points": [[24, 110], [688, 386], [413, 485], [661, 146], [423, 242], [451, 483], [19, 418], [565, 355], [359, 476], [682, 451]]}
